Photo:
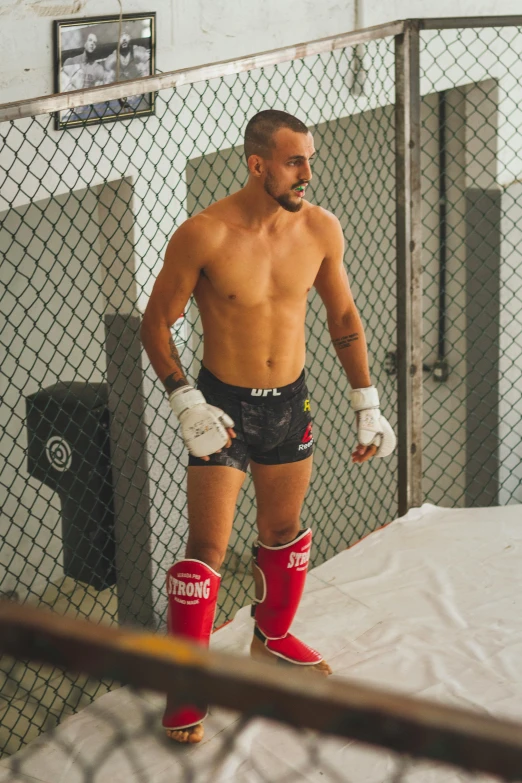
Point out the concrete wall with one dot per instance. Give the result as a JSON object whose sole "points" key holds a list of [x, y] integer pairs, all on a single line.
{"points": [[52, 330], [510, 380], [444, 441], [461, 436], [68, 310]]}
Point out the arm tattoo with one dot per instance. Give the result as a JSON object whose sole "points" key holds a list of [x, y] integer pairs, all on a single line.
{"points": [[176, 379], [345, 341], [171, 383]]}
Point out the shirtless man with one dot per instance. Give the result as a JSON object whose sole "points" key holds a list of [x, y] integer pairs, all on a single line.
{"points": [[134, 61], [84, 70], [250, 261]]}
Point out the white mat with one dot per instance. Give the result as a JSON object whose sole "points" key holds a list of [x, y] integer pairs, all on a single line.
{"points": [[430, 605]]}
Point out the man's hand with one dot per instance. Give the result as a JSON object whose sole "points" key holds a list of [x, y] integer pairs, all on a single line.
{"points": [[363, 453], [230, 432], [205, 429], [374, 435]]}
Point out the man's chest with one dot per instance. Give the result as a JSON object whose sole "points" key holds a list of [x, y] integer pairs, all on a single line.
{"points": [[249, 272]]}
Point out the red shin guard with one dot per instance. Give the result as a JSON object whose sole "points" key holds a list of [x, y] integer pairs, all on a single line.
{"points": [[192, 589], [283, 571]]}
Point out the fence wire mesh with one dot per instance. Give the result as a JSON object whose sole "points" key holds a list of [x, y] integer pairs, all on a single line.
{"points": [[471, 82], [266, 725], [93, 510]]}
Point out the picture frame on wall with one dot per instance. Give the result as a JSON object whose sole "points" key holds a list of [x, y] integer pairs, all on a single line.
{"points": [[104, 50]]}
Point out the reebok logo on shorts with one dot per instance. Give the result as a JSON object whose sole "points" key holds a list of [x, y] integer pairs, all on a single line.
{"points": [[307, 439]]}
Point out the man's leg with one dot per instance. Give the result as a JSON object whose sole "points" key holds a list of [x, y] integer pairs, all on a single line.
{"points": [[212, 493], [212, 496], [280, 492]]}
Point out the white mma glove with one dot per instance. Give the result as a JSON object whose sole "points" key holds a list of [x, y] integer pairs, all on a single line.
{"points": [[372, 428], [203, 427]]}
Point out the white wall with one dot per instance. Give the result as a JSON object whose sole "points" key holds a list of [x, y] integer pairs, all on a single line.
{"points": [[379, 11], [195, 32], [189, 32]]}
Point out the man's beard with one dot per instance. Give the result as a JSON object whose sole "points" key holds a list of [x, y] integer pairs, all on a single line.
{"points": [[285, 199]]}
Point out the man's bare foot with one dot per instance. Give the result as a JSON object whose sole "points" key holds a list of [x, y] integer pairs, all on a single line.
{"points": [[187, 736], [259, 652]]}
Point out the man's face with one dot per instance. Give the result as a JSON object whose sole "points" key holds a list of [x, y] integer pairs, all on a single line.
{"points": [[91, 43], [288, 171], [124, 42]]}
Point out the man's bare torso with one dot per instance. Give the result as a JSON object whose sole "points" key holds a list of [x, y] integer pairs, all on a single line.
{"points": [[252, 293]]}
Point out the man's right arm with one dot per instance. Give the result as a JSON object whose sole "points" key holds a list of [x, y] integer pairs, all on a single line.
{"points": [[204, 428], [172, 289]]}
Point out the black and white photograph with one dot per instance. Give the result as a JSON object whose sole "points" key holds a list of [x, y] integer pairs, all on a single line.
{"points": [[104, 50]]}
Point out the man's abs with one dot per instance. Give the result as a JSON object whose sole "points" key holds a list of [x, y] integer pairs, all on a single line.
{"points": [[256, 349]]}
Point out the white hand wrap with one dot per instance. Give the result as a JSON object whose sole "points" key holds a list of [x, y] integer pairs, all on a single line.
{"points": [[372, 428], [203, 427]]}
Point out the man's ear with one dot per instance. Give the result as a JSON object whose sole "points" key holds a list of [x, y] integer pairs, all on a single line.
{"points": [[256, 165]]}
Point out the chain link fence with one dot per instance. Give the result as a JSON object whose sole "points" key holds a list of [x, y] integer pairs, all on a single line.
{"points": [[93, 507], [471, 82]]}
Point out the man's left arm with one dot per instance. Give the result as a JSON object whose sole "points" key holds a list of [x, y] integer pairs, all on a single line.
{"points": [[375, 435]]}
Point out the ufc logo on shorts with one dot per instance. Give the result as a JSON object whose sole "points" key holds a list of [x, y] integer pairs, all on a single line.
{"points": [[188, 589], [298, 559], [265, 393]]}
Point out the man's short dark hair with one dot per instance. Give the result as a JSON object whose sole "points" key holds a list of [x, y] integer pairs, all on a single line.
{"points": [[261, 129]]}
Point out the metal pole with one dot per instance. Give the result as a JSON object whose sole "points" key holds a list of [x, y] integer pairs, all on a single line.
{"points": [[442, 226], [465, 22], [409, 290]]}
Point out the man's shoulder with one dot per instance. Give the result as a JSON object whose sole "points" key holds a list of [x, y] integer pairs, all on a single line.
{"points": [[320, 218], [218, 218], [202, 230], [220, 210], [326, 229], [211, 216]]}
